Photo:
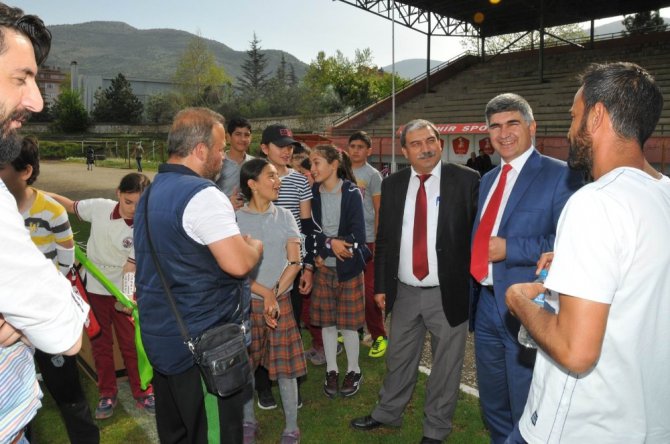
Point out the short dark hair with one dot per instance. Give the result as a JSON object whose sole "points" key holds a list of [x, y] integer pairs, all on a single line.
{"points": [[417, 124], [300, 148], [362, 136], [251, 170], [29, 155], [629, 93], [29, 25], [237, 122], [509, 102], [306, 163], [134, 183], [190, 127]]}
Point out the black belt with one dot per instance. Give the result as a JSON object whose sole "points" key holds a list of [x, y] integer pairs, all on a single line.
{"points": [[422, 288]]}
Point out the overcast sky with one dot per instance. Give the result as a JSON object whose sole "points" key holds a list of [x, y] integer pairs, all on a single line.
{"points": [[300, 27]]}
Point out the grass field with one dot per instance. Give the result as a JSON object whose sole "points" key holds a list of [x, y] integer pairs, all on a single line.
{"points": [[321, 419]]}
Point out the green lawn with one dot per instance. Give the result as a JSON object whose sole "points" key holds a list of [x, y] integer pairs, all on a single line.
{"points": [[321, 419]]}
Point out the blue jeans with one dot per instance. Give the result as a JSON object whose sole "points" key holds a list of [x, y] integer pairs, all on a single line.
{"points": [[504, 369]]}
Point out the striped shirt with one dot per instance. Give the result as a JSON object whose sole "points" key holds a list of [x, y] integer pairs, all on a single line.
{"points": [[294, 190], [20, 393], [47, 223]]}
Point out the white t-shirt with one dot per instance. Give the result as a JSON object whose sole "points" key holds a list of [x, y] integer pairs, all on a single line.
{"points": [[209, 217], [612, 247], [110, 241], [34, 297]]}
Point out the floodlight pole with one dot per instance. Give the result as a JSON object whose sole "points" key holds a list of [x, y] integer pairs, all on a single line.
{"points": [[541, 62], [428, 56], [394, 167]]}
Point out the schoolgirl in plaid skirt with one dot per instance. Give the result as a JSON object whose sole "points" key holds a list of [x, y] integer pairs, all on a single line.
{"points": [[275, 340], [340, 252]]}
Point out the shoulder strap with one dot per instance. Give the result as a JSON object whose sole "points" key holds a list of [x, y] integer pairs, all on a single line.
{"points": [[173, 305]]}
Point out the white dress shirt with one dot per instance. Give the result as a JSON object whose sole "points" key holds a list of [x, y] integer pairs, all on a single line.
{"points": [[517, 164], [405, 269]]}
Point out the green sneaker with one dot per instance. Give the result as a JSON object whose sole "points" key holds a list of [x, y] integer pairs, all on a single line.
{"points": [[378, 348]]}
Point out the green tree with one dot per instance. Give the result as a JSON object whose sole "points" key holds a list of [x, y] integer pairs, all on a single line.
{"points": [[336, 83], [44, 115], [117, 103], [161, 108], [200, 80], [524, 40], [281, 97], [254, 79], [69, 113], [643, 22], [282, 73], [292, 78]]}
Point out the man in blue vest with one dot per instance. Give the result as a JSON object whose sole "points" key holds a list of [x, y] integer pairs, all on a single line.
{"points": [[205, 259]]}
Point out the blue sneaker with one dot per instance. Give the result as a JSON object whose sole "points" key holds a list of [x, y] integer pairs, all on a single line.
{"points": [[105, 408], [147, 403]]}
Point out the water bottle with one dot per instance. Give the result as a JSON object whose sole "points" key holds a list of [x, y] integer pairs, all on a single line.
{"points": [[524, 337]]}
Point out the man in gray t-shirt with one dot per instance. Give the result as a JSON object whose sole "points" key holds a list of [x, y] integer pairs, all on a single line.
{"points": [[239, 136], [369, 181]]}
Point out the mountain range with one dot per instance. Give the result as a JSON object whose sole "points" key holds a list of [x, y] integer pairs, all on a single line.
{"points": [[411, 68], [109, 48]]}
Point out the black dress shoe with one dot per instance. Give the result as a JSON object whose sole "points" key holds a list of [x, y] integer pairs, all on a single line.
{"points": [[365, 423], [427, 440]]}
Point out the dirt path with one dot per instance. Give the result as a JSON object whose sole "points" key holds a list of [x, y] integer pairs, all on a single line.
{"points": [[74, 181]]}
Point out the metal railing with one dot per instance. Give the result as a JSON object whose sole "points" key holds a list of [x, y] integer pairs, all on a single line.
{"points": [[581, 41], [410, 83]]}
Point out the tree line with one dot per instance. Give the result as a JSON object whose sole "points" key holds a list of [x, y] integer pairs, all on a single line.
{"points": [[331, 84]]}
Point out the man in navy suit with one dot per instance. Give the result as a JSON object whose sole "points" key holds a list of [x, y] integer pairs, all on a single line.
{"points": [[533, 190], [425, 217]]}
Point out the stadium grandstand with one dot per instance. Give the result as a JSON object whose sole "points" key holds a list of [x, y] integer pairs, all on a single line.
{"points": [[454, 94]]}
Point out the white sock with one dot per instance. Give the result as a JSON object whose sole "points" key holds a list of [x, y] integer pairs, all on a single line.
{"points": [[352, 346], [329, 335], [288, 390], [248, 410]]}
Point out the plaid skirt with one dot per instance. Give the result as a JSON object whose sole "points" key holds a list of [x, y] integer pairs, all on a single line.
{"points": [[334, 303], [277, 349]]}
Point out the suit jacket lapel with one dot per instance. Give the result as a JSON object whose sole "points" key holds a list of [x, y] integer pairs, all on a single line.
{"points": [[530, 170], [484, 190], [446, 180], [399, 197]]}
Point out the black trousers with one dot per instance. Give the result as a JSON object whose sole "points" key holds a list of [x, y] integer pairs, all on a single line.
{"points": [[183, 407], [61, 378]]}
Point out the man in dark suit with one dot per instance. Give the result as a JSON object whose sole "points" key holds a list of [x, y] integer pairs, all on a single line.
{"points": [[426, 216], [515, 224]]}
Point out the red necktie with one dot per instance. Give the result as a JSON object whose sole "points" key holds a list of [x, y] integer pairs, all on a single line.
{"points": [[479, 264], [420, 250]]}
